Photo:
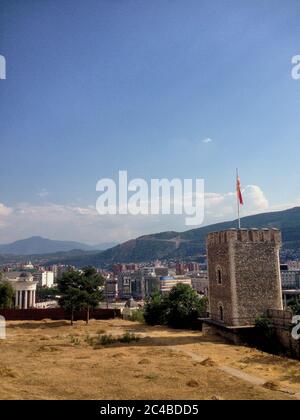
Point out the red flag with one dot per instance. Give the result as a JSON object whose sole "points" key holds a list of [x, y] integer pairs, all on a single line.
{"points": [[239, 192]]}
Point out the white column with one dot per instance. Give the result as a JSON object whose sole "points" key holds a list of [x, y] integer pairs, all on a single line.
{"points": [[17, 299], [20, 299], [26, 299], [33, 300]]}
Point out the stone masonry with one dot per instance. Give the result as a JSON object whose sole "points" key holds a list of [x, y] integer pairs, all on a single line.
{"points": [[244, 275]]}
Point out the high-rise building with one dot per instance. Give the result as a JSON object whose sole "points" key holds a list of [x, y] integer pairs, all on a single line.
{"points": [[44, 278]]}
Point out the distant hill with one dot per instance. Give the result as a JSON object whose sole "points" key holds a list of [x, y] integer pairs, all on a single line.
{"points": [[178, 245], [191, 244], [38, 245], [104, 246]]}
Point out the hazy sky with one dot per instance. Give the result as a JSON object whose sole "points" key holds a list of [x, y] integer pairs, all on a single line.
{"points": [[165, 88]]}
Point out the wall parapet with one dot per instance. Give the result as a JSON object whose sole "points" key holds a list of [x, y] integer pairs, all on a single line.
{"points": [[244, 235]]}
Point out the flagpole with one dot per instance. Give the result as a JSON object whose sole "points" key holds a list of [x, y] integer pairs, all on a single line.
{"points": [[238, 200]]}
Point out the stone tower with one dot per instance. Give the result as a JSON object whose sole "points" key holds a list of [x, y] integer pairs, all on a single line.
{"points": [[244, 275]]}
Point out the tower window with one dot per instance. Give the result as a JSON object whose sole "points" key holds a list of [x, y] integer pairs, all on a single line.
{"points": [[221, 313], [219, 275]]}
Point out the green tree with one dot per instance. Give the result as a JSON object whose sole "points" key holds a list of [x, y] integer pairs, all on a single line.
{"points": [[155, 309], [68, 287], [296, 308], [80, 290], [179, 309], [185, 306], [6, 295], [91, 285]]}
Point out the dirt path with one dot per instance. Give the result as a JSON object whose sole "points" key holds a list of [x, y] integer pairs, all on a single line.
{"points": [[237, 373]]}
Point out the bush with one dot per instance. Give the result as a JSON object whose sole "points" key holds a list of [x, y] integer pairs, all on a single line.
{"points": [[296, 308], [264, 325], [266, 339], [106, 339], [184, 306], [138, 316], [128, 338], [155, 309], [178, 309], [6, 295]]}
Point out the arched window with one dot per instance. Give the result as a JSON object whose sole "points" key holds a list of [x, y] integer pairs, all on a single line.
{"points": [[221, 313], [219, 275]]}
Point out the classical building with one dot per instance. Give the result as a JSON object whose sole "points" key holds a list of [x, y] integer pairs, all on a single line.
{"points": [[244, 275], [25, 288]]}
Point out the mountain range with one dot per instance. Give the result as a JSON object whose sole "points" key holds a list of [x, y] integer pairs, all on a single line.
{"points": [[37, 245], [188, 245], [191, 243]]}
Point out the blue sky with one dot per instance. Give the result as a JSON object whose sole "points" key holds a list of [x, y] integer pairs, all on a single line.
{"points": [[95, 86]]}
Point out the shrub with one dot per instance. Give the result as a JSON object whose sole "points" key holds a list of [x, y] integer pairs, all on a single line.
{"points": [[266, 339], [178, 309], [296, 308], [106, 339], [138, 316], [128, 338], [75, 341], [6, 295], [155, 309], [184, 306]]}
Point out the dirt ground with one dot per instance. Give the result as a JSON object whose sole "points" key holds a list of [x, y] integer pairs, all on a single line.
{"points": [[52, 360]]}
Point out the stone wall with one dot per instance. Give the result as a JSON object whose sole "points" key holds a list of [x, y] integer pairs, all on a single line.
{"points": [[282, 324], [258, 282], [220, 294], [55, 314]]}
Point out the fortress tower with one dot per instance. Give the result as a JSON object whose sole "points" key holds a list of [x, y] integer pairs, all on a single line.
{"points": [[244, 275]]}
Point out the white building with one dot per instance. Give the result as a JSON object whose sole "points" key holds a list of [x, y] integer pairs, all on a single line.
{"points": [[293, 265], [28, 266], [168, 282], [25, 288], [44, 278]]}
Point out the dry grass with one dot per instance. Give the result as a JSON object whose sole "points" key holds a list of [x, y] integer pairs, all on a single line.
{"points": [[51, 360]]}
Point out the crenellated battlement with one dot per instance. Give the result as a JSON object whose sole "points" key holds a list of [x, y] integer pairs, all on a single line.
{"points": [[244, 235]]}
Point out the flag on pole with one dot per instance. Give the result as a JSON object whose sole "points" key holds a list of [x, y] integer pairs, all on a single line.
{"points": [[239, 191]]}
